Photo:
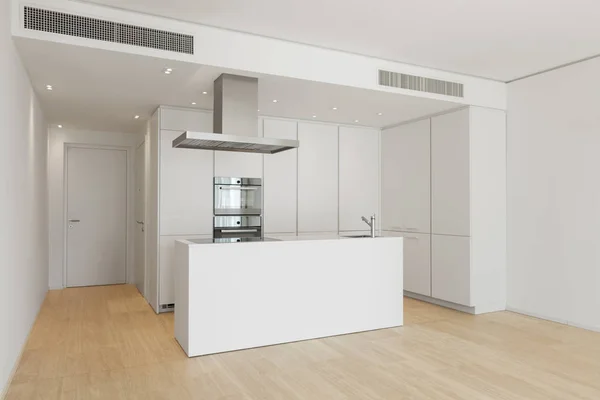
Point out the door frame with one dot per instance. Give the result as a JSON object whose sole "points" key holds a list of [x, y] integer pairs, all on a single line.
{"points": [[128, 211], [143, 144]]}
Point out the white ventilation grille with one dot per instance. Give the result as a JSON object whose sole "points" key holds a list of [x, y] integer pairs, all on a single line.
{"points": [[421, 84], [107, 31]]}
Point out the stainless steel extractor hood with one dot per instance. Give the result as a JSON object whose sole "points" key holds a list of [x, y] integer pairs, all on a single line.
{"points": [[235, 121]]}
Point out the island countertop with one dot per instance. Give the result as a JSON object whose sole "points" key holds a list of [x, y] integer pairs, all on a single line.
{"points": [[284, 238]]}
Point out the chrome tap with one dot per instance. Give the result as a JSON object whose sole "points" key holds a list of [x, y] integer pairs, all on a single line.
{"points": [[371, 224]]}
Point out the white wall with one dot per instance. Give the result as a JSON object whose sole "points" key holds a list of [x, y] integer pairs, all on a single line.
{"points": [[553, 175], [58, 138], [24, 226]]}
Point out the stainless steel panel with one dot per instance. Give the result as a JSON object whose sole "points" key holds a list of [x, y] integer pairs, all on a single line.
{"points": [[223, 142], [237, 222], [235, 105], [226, 180]]}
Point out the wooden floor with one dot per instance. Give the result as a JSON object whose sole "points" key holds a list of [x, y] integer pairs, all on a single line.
{"points": [[106, 343]]}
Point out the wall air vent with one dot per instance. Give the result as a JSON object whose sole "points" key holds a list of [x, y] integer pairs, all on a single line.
{"points": [[91, 28], [420, 84]]}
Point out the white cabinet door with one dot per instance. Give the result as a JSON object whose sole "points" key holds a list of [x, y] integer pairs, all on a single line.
{"points": [[417, 263], [185, 120], [280, 180], [451, 269], [405, 178], [359, 176], [245, 165], [186, 197], [167, 266], [450, 181], [317, 178]]}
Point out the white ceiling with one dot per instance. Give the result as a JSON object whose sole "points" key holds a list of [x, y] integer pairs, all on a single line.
{"points": [[497, 39], [103, 90]]}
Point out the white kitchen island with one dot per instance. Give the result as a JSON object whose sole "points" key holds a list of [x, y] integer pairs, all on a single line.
{"points": [[244, 295]]}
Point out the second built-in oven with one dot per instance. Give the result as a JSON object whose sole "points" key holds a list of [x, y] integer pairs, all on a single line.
{"points": [[237, 196]]}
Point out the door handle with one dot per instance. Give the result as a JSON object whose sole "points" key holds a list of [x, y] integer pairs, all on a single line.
{"points": [[74, 220], [140, 222]]}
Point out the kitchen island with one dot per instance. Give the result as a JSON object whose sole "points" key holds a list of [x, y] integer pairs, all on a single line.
{"points": [[244, 295]]}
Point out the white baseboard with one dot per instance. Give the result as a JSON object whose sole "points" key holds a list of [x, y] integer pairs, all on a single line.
{"points": [[552, 319], [438, 302]]}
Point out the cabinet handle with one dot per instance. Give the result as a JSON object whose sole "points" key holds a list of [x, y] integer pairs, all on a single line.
{"points": [[411, 237]]}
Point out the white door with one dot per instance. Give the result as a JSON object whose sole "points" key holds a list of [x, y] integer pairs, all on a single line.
{"points": [[97, 216], [140, 214]]}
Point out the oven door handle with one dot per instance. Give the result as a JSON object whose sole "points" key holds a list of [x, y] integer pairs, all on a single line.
{"points": [[239, 230], [237, 188]]}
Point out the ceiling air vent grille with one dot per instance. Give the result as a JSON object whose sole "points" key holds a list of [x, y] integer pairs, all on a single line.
{"points": [[421, 84], [91, 28]]}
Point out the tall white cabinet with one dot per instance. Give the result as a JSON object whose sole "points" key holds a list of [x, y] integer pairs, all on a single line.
{"points": [[465, 152], [405, 198], [280, 185], [317, 178], [405, 173], [358, 176], [451, 208]]}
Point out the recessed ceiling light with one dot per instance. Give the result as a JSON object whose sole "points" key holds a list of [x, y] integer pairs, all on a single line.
{"points": [[355, 120], [314, 116], [60, 126], [136, 117], [334, 108], [274, 101], [193, 103], [379, 113], [258, 110], [204, 92], [168, 70], [48, 87]]}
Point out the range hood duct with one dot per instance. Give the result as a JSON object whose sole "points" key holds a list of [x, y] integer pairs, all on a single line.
{"points": [[235, 121]]}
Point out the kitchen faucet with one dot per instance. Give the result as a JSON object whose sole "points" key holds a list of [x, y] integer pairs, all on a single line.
{"points": [[371, 224]]}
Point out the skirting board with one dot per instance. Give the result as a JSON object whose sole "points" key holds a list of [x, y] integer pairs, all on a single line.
{"points": [[558, 321], [437, 302]]}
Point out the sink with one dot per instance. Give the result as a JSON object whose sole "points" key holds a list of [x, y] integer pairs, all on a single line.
{"points": [[357, 236]]}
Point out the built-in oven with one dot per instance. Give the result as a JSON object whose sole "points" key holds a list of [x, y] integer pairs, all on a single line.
{"points": [[238, 226], [237, 208], [237, 196]]}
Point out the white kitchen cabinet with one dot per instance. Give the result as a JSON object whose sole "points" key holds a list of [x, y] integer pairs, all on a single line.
{"points": [[450, 178], [182, 120], [186, 179], [245, 165], [358, 176], [405, 178], [167, 266], [280, 184], [317, 177], [417, 261], [451, 269]]}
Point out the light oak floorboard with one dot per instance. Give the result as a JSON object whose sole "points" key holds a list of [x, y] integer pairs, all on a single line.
{"points": [[106, 343]]}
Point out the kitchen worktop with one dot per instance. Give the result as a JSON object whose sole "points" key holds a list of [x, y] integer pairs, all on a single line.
{"points": [[279, 238]]}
